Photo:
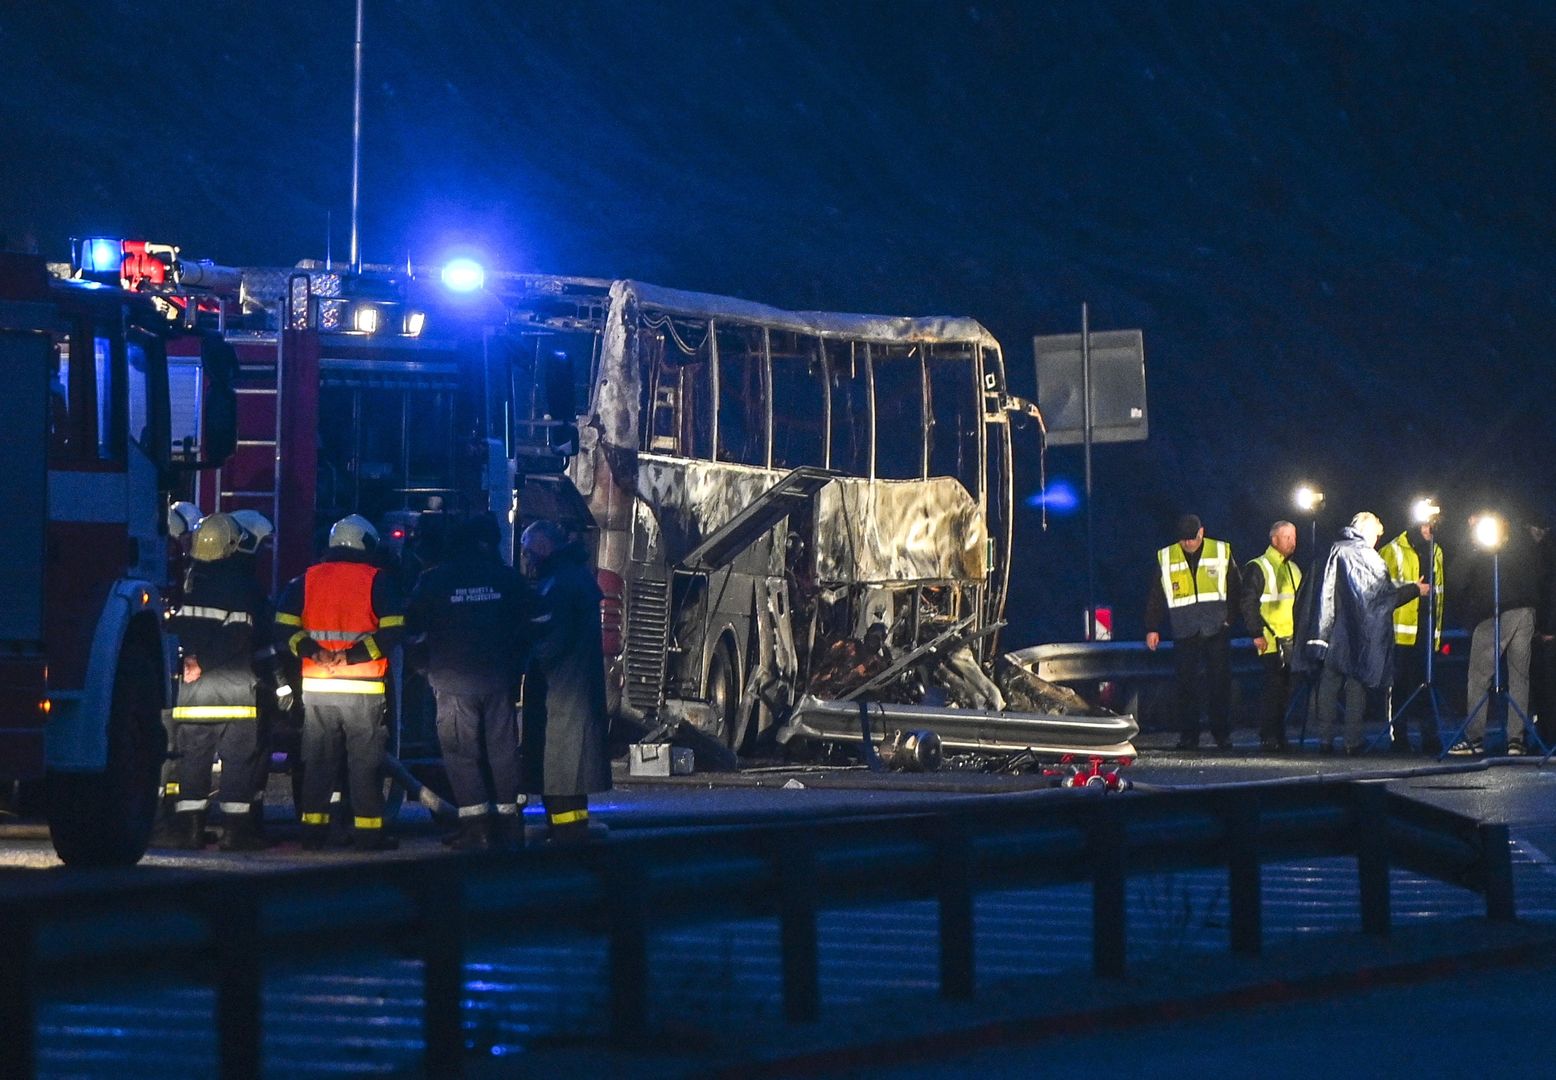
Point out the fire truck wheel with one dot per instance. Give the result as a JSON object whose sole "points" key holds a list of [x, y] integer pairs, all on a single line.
{"points": [[105, 818]]}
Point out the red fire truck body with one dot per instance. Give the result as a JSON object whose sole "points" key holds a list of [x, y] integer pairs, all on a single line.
{"points": [[90, 451]]}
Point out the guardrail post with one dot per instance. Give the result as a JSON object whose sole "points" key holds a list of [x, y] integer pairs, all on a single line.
{"points": [[953, 876], [797, 932], [1109, 879], [1372, 856], [234, 922], [442, 903], [1496, 860], [18, 996], [1244, 898], [626, 907]]}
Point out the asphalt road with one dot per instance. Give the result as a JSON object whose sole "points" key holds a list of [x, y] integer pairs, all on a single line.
{"points": [[1513, 791]]}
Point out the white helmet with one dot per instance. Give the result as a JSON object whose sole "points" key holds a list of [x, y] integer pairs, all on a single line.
{"points": [[354, 532], [215, 538], [182, 517], [256, 527]]}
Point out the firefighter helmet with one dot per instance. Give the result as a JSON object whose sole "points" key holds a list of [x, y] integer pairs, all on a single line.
{"points": [[182, 517], [256, 527], [216, 537], [354, 532]]}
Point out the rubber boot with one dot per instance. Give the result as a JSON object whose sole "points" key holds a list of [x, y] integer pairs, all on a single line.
{"points": [[373, 840], [189, 830], [474, 834], [164, 833], [314, 837], [241, 836]]}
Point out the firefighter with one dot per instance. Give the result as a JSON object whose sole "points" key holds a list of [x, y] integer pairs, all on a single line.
{"points": [[342, 618], [1270, 585], [216, 712], [564, 754], [1404, 556], [1194, 592], [182, 517], [472, 612], [255, 531]]}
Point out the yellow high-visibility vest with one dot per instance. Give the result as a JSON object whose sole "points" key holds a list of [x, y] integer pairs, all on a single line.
{"points": [[1207, 583], [1277, 600], [1404, 567]]}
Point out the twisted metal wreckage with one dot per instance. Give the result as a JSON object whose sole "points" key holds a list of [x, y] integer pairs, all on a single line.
{"points": [[802, 521]]}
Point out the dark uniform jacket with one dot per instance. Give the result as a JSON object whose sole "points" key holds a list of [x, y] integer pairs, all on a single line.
{"points": [[565, 725], [474, 611], [1518, 572], [216, 624]]}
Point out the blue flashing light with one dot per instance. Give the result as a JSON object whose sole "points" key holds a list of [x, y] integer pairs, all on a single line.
{"points": [[1060, 498], [464, 275], [103, 255]]}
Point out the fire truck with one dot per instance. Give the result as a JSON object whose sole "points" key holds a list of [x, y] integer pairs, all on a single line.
{"points": [[92, 449], [377, 391]]}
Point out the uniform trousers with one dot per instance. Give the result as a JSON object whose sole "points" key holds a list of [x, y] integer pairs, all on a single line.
{"points": [[1274, 690], [479, 736], [1485, 655], [1214, 688], [349, 724], [199, 743]]}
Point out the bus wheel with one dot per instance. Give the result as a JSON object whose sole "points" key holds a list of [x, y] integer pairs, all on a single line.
{"points": [[105, 818], [724, 694]]}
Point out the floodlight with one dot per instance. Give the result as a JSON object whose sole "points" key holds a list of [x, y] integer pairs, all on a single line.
{"points": [[1489, 531], [1424, 511], [365, 319], [464, 275], [1307, 498]]}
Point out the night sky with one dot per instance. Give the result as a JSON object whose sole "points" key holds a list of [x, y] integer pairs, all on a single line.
{"points": [[1332, 221]]}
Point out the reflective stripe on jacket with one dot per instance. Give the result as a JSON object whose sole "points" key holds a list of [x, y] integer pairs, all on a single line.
{"points": [[1277, 599], [1197, 601], [1404, 567], [337, 614]]}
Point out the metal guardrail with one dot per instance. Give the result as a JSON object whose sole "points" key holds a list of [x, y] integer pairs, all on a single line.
{"points": [[226, 931], [1098, 661]]}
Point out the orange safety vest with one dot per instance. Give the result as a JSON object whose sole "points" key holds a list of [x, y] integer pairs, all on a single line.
{"points": [[338, 613]]}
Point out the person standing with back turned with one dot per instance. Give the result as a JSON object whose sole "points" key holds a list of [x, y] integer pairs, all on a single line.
{"points": [[473, 612], [565, 725], [1194, 592], [342, 618]]}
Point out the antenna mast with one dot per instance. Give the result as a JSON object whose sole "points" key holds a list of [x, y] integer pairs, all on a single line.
{"points": [[356, 146]]}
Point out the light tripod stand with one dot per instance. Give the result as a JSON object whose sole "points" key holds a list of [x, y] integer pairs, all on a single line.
{"points": [[1497, 692]]}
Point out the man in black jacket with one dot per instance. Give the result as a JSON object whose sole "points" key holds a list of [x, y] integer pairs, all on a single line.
{"points": [[1195, 592], [473, 612], [216, 712], [565, 725], [1517, 565]]}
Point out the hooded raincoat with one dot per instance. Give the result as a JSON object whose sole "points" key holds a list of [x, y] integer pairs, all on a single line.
{"points": [[1350, 624]]}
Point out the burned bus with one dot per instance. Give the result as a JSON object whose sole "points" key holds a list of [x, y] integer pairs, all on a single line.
{"points": [[791, 513]]}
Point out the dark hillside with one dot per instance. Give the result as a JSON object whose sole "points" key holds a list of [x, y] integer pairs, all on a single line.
{"points": [[1331, 220]]}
